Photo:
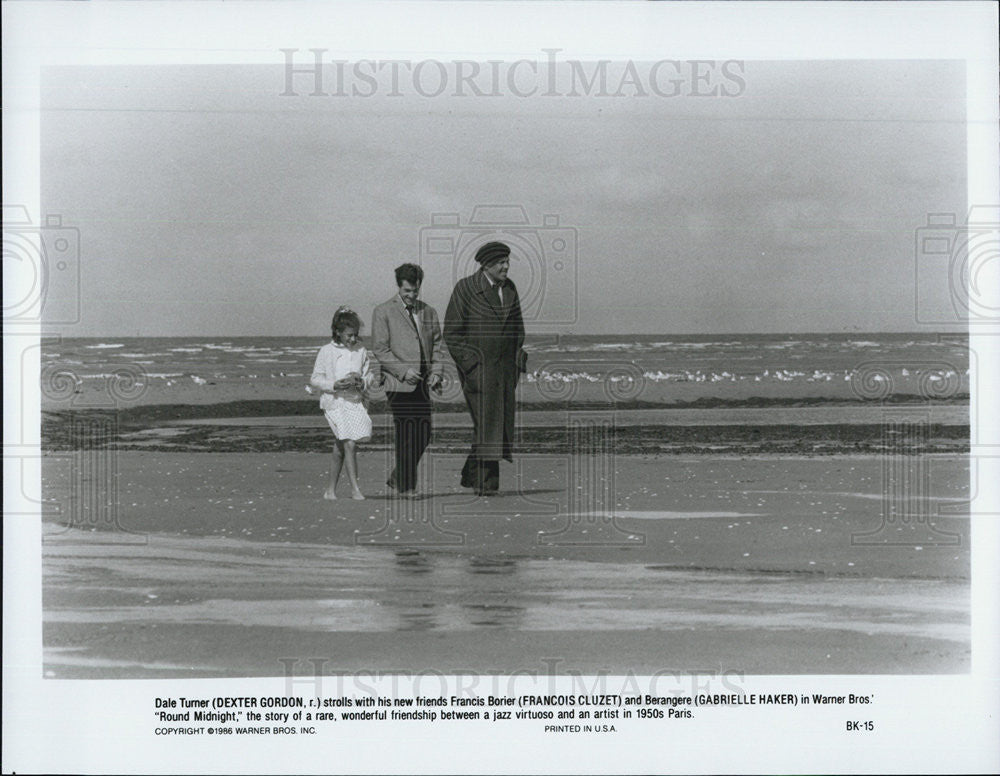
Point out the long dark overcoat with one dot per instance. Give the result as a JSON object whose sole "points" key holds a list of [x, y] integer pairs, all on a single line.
{"points": [[485, 338]]}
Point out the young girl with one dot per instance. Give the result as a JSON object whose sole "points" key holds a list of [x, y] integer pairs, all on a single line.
{"points": [[342, 372]]}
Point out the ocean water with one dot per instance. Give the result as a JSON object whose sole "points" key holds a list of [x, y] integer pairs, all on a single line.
{"points": [[655, 368]]}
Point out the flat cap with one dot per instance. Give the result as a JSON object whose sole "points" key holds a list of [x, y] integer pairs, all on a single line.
{"points": [[491, 252]]}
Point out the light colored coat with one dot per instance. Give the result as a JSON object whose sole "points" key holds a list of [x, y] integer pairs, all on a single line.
{"points": [[334, 362], [395, 345]]}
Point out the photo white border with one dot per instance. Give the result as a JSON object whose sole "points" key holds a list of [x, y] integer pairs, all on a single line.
{"points": [[928, 724]]}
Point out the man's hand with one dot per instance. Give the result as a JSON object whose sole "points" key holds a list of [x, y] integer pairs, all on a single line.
{"points": [[412, 376], [434, 383]]}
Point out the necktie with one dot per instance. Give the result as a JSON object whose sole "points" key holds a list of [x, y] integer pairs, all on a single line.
{"points": [[498, 290], [413, 321]]}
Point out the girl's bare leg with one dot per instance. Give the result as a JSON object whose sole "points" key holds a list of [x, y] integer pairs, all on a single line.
{"points": [[335, 467], [350, 455]]}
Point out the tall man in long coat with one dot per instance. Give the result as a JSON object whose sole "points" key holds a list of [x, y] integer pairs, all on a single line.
{"points": [[484, 332]]}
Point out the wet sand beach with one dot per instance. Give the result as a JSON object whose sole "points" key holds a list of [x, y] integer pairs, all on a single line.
{"points": [[221, 564]]}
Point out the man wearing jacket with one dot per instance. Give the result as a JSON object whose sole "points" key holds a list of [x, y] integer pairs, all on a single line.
{"points": [[484, 332], [406, 340]]}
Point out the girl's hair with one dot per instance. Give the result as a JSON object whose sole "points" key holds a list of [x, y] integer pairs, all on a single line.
{"points": [[344, 317]]}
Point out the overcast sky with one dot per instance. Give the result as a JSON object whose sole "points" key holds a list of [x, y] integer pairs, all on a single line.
{"points": [[210, 204]]}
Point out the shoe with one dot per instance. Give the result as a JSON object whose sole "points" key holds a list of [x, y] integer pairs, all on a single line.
{"points": [[467, 479], [391, 482]]}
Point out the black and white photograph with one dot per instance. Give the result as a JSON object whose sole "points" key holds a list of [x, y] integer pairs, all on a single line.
{"points": [[562, 378]]}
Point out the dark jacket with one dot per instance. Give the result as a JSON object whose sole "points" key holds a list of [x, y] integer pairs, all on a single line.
{"points": [[486, 341]]}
